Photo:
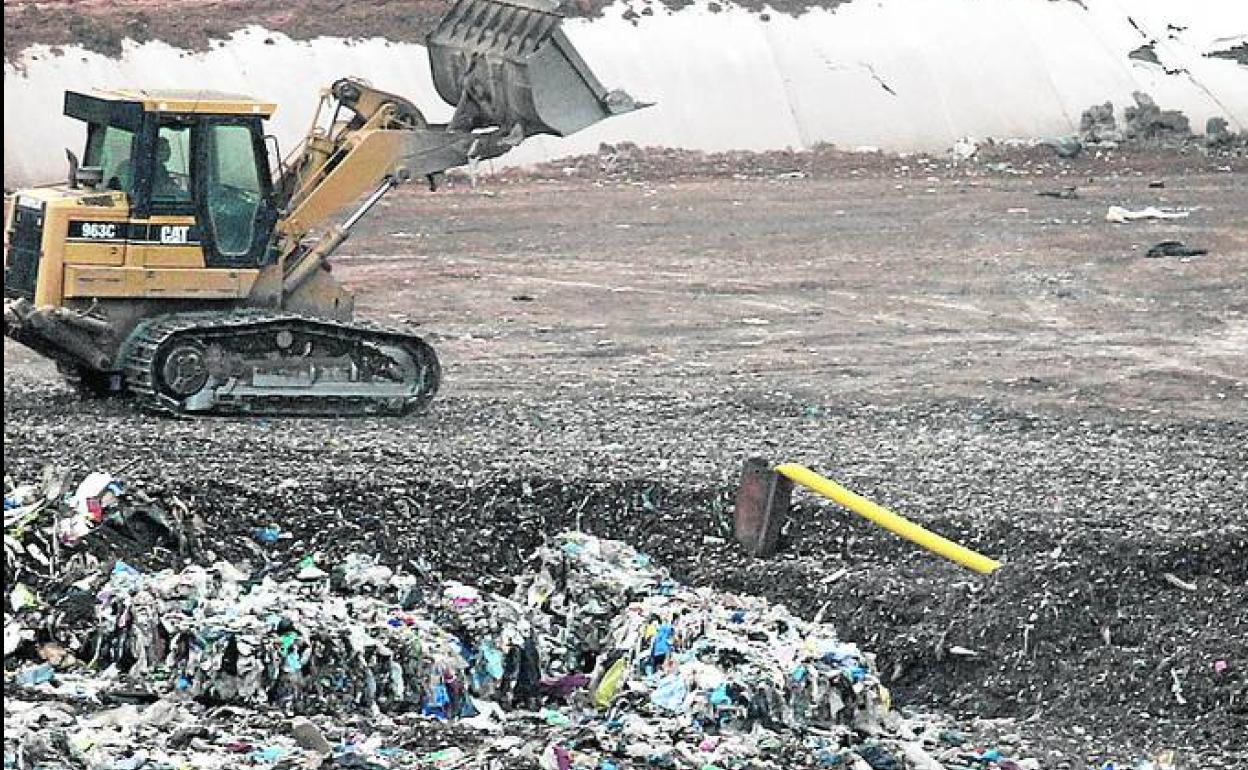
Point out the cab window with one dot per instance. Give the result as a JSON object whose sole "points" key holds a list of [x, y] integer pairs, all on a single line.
{"points": [[171, 176], [233, 188], [108, 148]]}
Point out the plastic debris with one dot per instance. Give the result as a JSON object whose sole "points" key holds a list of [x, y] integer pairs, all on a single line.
{"points": [[1178, 582], [1121, 215], [309, 736], [34, 675], [267, 535], [596, 660], [22, 598]]}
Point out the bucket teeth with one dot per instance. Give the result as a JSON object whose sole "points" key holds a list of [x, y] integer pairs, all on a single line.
{"points": [[506, 63]]}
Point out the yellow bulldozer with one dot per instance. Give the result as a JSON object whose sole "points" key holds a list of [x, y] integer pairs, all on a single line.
{"points": [[177, 266]]}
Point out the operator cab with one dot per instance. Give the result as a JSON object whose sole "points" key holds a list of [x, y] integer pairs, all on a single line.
{"points": [[193, 165]]}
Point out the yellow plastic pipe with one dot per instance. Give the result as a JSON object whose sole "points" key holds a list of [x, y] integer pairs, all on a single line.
{"points": [[887, 519]]}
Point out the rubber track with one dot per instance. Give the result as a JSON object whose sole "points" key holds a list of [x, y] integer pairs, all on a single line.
{"points": [[140, 352]]}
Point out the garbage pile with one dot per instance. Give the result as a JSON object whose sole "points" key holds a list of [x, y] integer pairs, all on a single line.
{"points": [[710, 660], [595, 624], [58, 536], [48, 524], [597, 660], [375, 643]]}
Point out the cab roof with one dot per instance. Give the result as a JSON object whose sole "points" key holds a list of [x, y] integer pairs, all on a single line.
{"points": [[181, 101]]}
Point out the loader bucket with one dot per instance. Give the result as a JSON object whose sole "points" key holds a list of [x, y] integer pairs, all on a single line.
{"points": [[506, 63]]}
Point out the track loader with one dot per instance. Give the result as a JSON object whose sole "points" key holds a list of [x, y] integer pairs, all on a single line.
{"points": [[176, 265]]}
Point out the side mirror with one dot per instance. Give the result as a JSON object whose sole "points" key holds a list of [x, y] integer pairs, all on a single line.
{"points": [[277, 164], [79, 175], [73, 169]]}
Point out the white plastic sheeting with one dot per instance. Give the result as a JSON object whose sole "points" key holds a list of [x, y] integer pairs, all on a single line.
{"points": [[896, 74]]}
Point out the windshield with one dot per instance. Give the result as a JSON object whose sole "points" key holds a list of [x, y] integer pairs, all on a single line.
{"points": [[171, 178], [108, 148]]}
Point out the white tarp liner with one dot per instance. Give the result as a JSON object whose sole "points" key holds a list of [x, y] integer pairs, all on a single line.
{"points": [[896, 74]]}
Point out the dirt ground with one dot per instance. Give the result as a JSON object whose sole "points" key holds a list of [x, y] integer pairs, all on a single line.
{"points": [[102, 25], [619, 332], [893, 279]]}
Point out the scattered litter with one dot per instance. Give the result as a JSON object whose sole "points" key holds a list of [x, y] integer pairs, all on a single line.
{"points": [[1067, 147], [1176, 687], [310, 737], [1122, 216], [33, 675], [1066, 193], [964, 149], [267, 535], [1179, 582], [22, 598], [1175, 249], [55, 539]]}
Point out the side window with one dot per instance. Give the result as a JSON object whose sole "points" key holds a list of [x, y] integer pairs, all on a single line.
{"points": [[109, 149], [233, 188], [171, 176]]}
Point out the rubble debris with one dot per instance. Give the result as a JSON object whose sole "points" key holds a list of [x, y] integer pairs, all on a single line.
{"points": [[1175, 249], [1145, 120], [1098, 125], [310, 737], [1218, 133], [1147, 124], [56, 542]]}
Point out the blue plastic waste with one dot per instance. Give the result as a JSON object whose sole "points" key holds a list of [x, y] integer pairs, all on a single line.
{"points": [[34, 675], [670, 694], [662, 644]]}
